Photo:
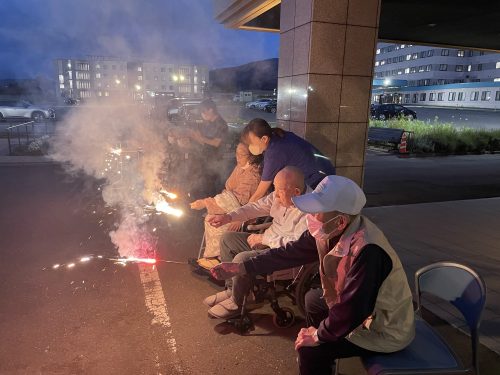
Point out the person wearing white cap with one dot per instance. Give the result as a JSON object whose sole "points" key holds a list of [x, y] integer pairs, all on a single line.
{"points": [[365, 304]]}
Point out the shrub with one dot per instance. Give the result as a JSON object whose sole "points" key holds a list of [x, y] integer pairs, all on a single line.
{"points": [[444, 138]]}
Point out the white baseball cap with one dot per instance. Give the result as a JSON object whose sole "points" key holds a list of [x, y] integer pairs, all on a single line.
{"points": [[333, 193]]}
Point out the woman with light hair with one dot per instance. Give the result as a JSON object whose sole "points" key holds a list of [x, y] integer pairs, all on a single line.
{"points": [[239, 187]]}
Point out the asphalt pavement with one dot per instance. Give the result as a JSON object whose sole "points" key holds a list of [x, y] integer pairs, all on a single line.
{"points": [[100, 317]]}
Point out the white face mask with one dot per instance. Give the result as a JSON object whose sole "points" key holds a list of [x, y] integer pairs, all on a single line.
{"points": [[316, 228], [255, 150]]}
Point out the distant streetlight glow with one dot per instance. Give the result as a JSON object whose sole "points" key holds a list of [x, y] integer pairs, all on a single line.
{"points": [[137, 87], [175, 78], [387, 82]]}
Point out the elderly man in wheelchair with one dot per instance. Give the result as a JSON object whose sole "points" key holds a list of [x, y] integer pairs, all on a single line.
{"points": [[287, 225]]}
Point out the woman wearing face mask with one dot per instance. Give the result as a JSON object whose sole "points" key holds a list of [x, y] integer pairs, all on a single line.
{"points": [[239, 187], [281, 148]]}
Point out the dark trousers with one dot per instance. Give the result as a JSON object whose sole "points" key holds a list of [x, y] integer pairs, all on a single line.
{"points": [[320, 360]]}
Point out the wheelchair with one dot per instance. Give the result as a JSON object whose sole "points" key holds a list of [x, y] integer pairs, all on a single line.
{"points": [[293, 283]]}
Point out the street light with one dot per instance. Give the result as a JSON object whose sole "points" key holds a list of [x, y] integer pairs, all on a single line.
{"points": [[175, 78], [137, 87]]}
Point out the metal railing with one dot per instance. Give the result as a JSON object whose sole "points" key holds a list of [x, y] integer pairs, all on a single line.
{"points": [[23, 134]]}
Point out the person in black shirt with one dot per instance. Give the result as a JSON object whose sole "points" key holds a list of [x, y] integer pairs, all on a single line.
{"points": [[212, 135]]}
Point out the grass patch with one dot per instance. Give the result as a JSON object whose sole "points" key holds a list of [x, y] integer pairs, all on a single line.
{"points": [[444, 138]]}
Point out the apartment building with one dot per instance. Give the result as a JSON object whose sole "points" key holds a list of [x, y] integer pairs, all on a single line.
{"points": [[102, 77]]}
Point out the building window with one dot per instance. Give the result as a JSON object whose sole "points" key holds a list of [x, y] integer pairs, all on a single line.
{"points": [[61, 86], [445, 52], [451, 96], [401, 58], [474, 96], [97, 66], [83, 66], [105, 66], [98, 75], [460, 96], [431, 97], [413, 69], [497, 96], [163, 70], [459, 68], [106, 93], [139, 78], [113, 67], [82, 75], [496, 79], [428, 68], [430, 53], [443, 67], [422, 97], [497, 65], [61, 78], [421, 68], [156, 78], [378, 51], [414, 56], [440, 97], [139, 68], [479, 67], [485, 96], [407, 70], [408, 57], [460, 53], [469, 68], [382, 62]]}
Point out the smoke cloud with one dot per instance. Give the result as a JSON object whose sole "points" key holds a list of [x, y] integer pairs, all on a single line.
{"points": [[117, 144]]}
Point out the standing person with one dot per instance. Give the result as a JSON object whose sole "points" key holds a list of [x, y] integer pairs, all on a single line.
{"points": [[213, 137], [365, 304], [282, 148]]}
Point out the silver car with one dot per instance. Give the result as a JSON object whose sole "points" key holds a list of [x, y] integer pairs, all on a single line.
{"points": [[24, 109]]}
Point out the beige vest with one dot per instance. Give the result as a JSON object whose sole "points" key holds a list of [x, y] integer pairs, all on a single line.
{"points": [[391, 327]]}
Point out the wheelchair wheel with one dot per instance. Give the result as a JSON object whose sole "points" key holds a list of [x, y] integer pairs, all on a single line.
{"points": [[308, 280], [285, 319]]}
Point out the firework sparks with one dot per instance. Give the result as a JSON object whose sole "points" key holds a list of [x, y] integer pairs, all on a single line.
{"points": [[162, 206], [168, 194]]}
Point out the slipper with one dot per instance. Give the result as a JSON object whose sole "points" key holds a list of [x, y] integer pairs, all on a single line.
{"points": [[226, 309], [208, 263], [217, 298]]}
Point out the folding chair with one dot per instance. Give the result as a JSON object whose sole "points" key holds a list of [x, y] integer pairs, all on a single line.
{"points": [[429, 353]]}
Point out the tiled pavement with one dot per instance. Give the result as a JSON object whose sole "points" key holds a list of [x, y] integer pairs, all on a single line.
{"points": [[466, 232]]}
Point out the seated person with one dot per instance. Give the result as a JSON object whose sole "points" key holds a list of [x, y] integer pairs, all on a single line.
{"points": [[365, 304], [287, 225], [240, 186]]}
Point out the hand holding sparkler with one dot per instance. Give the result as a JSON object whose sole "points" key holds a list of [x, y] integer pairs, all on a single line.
{"points": [[218, 220], [198, 204], [227, 270]]}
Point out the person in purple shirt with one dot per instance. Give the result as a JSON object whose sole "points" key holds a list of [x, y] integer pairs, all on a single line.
{"points": [[282, 148]]}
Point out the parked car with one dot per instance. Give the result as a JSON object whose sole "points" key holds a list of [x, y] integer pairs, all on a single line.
{"points": [[271, 107], [257, 103], [23, 109], [387, 111]]}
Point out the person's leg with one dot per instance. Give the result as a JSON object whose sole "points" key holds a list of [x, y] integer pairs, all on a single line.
{"points": [[316, 307], [320, 360], [241, 284], [233, 243]]}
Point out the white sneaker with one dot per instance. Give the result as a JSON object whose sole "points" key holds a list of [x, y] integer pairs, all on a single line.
{"points": [[227, 309], [214, 299]]}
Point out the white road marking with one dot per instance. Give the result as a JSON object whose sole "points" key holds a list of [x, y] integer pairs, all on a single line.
{"points": [[156, 304]]}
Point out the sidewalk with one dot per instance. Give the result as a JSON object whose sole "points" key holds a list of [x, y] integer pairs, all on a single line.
{"points": [[465, 231]]}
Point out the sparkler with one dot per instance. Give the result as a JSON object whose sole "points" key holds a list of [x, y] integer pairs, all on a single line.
{"points": [[163, 206]]}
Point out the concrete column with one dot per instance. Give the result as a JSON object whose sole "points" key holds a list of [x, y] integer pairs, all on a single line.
{"points": [[327, 51]]}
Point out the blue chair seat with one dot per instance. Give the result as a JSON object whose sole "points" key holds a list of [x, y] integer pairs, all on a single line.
{"points": [[427, 351]]}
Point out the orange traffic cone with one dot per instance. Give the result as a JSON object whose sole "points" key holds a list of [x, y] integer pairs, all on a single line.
{"points": [[402, 144]]}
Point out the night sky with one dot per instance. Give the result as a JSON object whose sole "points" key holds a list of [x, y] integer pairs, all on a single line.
{"points": [[34, 32]]}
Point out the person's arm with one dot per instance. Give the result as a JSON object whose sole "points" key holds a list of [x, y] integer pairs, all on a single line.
{"points": [[262, 190], [253, 210], [200, 138], [273, 238], [357, 299], [296, 253]]}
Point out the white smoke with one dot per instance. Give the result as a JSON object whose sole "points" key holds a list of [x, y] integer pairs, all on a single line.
{"points": [[119, 145]]}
